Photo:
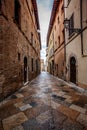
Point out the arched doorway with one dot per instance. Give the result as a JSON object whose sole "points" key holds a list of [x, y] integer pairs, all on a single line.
{"points": [[73, 69], [25, 69]]}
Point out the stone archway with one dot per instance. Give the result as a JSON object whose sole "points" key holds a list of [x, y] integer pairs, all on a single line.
{"points": [[73, 69]]}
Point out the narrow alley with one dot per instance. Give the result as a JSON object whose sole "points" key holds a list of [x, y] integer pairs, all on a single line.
{"points": [[46, 103]]}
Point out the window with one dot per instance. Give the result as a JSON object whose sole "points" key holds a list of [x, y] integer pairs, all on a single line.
{"points": [[58, 20], [55, 44], [71, 25], [59, 40], [32, 10], [31, 38], [32, 65], [35, 44], [55, 27], [63, 35], [62, 9], [18, 56], [17, 12], [36, 65]]}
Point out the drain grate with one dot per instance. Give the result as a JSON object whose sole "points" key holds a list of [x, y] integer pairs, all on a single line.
{"points": [[58, 97]]}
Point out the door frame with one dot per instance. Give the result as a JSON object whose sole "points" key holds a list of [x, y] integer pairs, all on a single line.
{"points": [[73, 70], [68, 67]]}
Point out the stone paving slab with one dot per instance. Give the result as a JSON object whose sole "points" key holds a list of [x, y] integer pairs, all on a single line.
{"points": [[72, 114], [66, 104], [25, 107], [85, 106], [43, 117], [78, 108], [18, 128], [46, 101], [61, 93], [4, 102], [72, 125], [82, 118], [31, 125], [19, 95], [31, 113], [45, 104], [59, 118], [8, 110], [68, 100], [54, 105], [82, 101], [66, 96], [19, 104], [75, 97], [14, 120]]}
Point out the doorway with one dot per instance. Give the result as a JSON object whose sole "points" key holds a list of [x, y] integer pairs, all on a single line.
{"points": [[73, 70], [25, 69]]}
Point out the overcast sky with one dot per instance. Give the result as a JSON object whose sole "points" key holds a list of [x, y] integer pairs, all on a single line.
{"points": [[44, 10]]}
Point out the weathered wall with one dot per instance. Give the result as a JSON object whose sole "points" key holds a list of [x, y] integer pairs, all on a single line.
{"points": [[74, 44], [16, 40], [59, 45]]}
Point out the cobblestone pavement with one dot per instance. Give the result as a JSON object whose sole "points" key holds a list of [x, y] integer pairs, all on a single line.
{"points": [[47, 103]]}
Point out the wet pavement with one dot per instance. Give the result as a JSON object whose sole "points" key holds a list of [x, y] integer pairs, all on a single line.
{"points": [[47, 103]]}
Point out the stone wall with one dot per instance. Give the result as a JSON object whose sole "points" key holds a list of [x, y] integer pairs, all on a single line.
{"points": [[15, 45]]}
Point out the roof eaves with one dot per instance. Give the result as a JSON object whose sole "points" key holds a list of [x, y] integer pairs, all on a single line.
{"points": [[53, 14]]}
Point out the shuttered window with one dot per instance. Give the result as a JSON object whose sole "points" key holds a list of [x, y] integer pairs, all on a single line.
{"points": [[71, 25], [17, 12]]}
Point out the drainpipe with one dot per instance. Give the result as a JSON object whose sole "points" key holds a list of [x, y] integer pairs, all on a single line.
{"points": [[53, 56], [81, 27]]}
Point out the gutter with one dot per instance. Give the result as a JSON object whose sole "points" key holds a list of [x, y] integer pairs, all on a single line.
{"points": [[64, 45]]}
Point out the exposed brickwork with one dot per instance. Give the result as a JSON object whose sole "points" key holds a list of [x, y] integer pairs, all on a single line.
{"points": [[15, 44]]}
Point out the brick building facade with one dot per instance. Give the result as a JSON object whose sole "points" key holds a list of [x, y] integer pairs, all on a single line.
{"points": [[55, 40], [20, 44]]}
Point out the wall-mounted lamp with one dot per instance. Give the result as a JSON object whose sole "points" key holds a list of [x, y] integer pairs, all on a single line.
{"points": [[67, 26], [38, 30]]}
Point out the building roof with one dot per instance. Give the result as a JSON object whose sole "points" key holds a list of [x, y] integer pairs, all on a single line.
{"points": [[53, 14], [36, 17]]}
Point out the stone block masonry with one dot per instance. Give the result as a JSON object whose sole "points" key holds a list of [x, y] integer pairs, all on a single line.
{"points": [[17, 22]]}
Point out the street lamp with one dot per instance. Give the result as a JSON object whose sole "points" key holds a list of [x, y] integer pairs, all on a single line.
{"points": [[67, 26], [38, 31]]}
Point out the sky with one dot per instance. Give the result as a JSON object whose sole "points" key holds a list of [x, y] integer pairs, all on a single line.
{"points": [[44, 11]]}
